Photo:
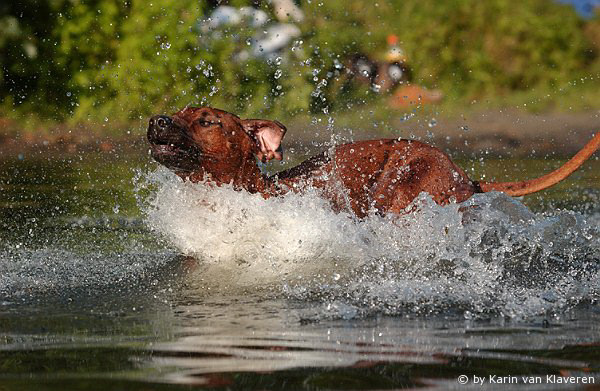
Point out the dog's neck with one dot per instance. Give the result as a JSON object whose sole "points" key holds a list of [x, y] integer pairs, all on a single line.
{"points": [[247, 176]]}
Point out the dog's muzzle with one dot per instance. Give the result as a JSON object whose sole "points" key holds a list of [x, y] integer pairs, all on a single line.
{"points": [[170, 146], [160, 130]]}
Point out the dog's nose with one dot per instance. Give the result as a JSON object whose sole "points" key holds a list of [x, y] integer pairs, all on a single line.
{"points": [[158, 128], [160, 121]]}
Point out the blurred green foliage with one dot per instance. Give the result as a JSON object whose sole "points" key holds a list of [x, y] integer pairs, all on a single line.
{"points": [[97, 60]]}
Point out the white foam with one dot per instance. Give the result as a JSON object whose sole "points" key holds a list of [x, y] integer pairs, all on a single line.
{"points": [[490, 254]]}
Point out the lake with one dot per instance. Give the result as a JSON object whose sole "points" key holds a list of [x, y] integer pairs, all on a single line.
{"points": [[116, 275]]}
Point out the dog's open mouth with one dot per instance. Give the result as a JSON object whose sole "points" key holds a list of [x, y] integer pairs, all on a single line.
{"points": [[166, 149], [176, 157], [170, 146]]}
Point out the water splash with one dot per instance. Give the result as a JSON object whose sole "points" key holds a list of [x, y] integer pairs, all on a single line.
{"points": [[488, 255]]}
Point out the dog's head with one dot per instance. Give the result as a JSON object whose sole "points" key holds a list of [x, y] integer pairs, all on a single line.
{"points": [[199, 137]]}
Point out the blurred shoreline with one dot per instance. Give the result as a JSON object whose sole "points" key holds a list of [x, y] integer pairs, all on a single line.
{"points": [[509, 133]]}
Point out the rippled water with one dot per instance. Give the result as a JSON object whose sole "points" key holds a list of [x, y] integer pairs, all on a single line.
{"points": [[115, 274]]}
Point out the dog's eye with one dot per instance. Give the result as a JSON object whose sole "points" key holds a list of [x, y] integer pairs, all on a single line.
{"points": [[203, 123]]}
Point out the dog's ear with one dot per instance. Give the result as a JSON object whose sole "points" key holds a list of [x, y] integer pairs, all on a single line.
{"points": [[267, 136]]}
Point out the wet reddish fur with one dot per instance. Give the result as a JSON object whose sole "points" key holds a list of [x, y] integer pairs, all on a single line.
{"points": [[381, 175]]}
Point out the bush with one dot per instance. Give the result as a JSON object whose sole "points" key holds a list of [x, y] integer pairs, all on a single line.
{"points": [[465, 47], [96, 59]]}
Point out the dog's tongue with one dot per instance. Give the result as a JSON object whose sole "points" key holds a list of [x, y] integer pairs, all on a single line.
{"points": [[163, 148]]}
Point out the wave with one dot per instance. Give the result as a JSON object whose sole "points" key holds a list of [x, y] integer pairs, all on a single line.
{"points": [[490, 254]]}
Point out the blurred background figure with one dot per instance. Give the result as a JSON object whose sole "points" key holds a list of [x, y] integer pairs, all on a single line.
{"points": [[397, 73], [395, 69], [360, 68], [268, 38], [225, 15], [287, 10], [392, 76]]}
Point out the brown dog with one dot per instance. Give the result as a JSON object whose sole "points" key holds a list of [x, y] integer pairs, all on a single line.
{"points": [[380, 175]]}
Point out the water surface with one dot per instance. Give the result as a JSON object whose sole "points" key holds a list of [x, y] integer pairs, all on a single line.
{"points": [[115, 275]]}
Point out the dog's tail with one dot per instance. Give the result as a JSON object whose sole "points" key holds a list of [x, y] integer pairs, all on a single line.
{"points": [[531, 186]]}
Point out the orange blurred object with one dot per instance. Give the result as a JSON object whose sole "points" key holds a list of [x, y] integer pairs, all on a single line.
{"points": [[394, 52], [414, 95]]}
